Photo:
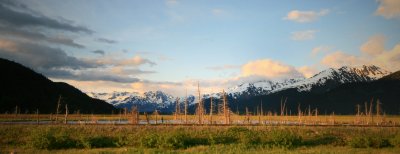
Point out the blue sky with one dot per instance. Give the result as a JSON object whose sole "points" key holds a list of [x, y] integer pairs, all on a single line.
{"points": [[171, 44]]}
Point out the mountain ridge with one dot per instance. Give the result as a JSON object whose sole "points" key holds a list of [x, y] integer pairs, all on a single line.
{"points": [[146, 102], [330, 76], [28, 91], [318, 84]]}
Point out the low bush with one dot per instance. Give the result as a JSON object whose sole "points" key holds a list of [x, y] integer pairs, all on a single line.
{"points": [[284, 139], [100, 142], [395, 141], [41, 139], [172, 140], [220, 138], [150, 140], [62, 139], [249, 138], [242, 135], [175, 141], [366, 141], [325, 139], [124, 140], [50, 139]]}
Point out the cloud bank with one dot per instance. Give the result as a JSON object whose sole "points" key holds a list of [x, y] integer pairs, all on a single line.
{"points": [[389, 9], [372, 52], [305, 16], [270, 69]]}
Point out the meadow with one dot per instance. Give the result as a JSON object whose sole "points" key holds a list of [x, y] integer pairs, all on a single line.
{"points": [[325, 120], [88, 133], [98, 138]]}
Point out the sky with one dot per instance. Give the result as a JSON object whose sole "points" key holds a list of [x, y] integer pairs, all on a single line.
{"points": [[172, 45]]}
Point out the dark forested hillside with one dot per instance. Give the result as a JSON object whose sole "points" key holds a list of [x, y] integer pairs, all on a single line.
{"points": [[22, 87]]}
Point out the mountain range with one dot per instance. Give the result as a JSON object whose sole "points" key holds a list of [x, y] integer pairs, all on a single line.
{"points": [[321, 82], [146, 102], [26, 91], [331, 90]]}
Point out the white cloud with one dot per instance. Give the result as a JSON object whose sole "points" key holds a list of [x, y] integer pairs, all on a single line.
{"points": [[269, 69], [374, 46], [340, 58], [389, 59], [251, 71], [305, 16], [97, 86], [388, 9], [374, 54], [320, 49], [308, 71], [174, 88], [134, 61], [121, 70], [303, 35]]}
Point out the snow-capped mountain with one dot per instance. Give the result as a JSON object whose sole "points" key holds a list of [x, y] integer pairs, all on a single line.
{"points": [[331, 78], [261, 87], [114, 98], [323, 81], [146, 102], [373, 72]]}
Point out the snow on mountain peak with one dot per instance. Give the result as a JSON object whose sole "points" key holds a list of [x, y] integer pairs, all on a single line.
{"points": [[148, 101], [341, 75], [322, 81], [371, 71]]}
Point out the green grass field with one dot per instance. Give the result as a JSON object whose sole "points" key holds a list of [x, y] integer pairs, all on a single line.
{"points": [[197, 139], [392, 120]]}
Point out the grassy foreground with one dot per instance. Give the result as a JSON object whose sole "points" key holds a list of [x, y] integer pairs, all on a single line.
{"points": [[197, 139], [328, 119]]}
